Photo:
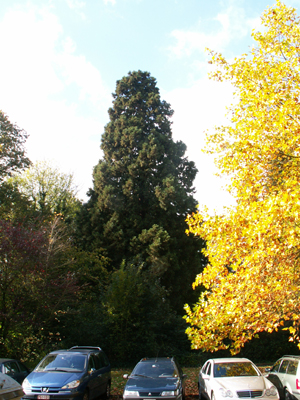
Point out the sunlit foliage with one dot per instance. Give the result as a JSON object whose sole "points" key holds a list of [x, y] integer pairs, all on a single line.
{"points": [[252, 279]]}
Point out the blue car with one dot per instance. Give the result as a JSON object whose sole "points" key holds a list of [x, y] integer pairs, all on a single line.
{"points": [[81, 373], [155, 378]]}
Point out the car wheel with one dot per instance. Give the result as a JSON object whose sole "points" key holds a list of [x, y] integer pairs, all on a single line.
{"points": [[199, 390], [287, 395], [86, 395], [107, 391]]}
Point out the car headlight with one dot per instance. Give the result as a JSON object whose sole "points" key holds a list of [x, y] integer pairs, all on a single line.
{"points": [[131, 393], [71, 385], [272, 391], [226, 392], [26, 386], [170, 392]]}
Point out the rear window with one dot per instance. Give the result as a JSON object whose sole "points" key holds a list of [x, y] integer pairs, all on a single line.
{"points": [[292, 367]]}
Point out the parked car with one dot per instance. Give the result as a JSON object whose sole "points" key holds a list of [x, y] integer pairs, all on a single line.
{"points": [[9, 388], [235, 378], [81, 373], [14, 368], [153, 378], [285, 375]]}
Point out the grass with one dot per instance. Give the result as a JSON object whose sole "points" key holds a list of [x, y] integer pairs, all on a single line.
{"points": [[118, 382]]}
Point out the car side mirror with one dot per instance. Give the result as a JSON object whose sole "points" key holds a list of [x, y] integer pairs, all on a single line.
{"points": [[92, 370], [125, 376], [267, 369]]}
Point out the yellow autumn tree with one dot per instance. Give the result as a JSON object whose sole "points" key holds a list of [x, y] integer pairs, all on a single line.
{"points": [[251, 283]]}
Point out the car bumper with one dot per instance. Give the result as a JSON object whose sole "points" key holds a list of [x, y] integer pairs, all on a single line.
{"points": [[179, 397], [53, 396]]}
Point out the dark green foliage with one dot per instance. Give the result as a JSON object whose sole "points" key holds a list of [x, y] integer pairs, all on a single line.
{"points": [[12, 152], [143, 190]]}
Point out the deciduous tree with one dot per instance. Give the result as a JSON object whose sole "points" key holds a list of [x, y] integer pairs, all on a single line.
{"points": [[12, 151], [252, 279]]}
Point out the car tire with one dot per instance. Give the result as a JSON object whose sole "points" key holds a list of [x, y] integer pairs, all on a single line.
{"points": [[107, 391], [287, 395], [86, 395], [199, 391]]}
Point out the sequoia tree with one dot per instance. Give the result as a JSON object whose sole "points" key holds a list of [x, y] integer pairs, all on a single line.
{"points": [[252, 279], [143, 189]]}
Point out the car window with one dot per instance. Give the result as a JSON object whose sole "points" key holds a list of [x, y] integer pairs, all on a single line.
{"points": [[283, 366], [234, 369], [292, 367], [203, 369], [101, 360], [276, 366], [91, 363], [22, 367], [208, 369], [11, 367], [97, 362]]}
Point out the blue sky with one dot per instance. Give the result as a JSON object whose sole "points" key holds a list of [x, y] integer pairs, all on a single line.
{"points": [[60, 60]]}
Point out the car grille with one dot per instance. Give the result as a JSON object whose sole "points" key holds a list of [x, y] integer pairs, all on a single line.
{"points": [[150, 394], [46, 391], [249, 393]]}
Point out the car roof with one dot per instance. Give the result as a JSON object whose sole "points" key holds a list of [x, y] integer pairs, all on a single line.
{"points": [[290, 356], [7, 359], [229, 359], [157, 359], [77, 349]]}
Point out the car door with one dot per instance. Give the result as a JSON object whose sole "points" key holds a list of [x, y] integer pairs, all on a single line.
{"points": [[104, 371], [93, 378], [24, 371], [276, 374], [204, 380], [11, 369], [289, 380]]}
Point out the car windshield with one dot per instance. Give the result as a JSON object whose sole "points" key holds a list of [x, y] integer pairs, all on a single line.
{"points": [[231, 369], [62, 362], [155, 370]]}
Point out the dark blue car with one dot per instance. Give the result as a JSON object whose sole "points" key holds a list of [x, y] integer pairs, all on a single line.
{"points": [[81, 373], [154, 378]]}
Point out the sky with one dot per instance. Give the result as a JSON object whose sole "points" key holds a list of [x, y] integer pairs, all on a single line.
{"points": [[60, 60]]}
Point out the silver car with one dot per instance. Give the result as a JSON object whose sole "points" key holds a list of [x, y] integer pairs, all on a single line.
{"points": [[285, 375], [234, 378]]}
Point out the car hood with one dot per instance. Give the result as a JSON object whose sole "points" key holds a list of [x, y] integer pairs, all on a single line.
{"points": [[148, 384], [243, 383], [52, 379]]}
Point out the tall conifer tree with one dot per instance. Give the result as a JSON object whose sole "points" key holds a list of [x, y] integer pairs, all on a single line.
{"points": [[143, 190]]}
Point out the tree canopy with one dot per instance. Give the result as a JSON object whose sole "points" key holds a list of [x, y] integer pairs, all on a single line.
{"points": [[12, 151], [252, 278], [143, 189]]}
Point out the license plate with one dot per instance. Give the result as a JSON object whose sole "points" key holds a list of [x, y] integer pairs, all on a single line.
{"points": [[43, 396]]}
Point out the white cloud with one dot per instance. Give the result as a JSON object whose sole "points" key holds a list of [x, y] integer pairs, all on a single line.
{"points": [[113, 2], [77, 6], [198, 109], [232, 24], [40, 67]]}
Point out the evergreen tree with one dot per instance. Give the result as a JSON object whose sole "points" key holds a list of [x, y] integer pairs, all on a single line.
{"points": [[143, 190]]}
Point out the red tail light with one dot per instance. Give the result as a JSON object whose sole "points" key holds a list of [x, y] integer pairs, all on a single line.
{"points": [[297, 384]]}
